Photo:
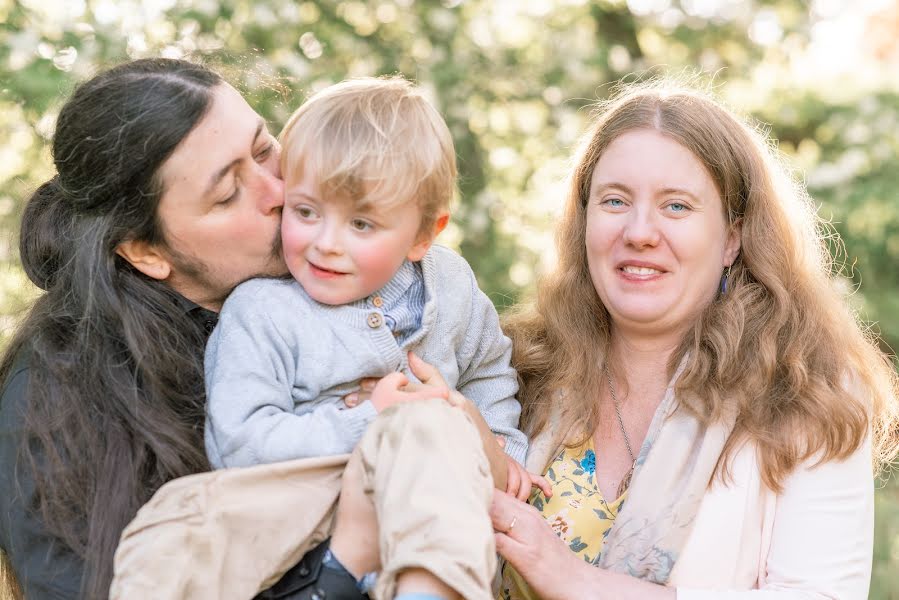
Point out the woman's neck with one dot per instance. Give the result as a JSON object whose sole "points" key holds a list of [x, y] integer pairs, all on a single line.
{"points": [[643, 360]]}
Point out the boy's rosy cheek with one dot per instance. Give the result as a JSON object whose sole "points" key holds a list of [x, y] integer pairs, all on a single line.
{"points": [[290, 243]]}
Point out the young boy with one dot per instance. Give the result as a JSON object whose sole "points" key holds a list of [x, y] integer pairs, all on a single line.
{"points": [[369, 171]]}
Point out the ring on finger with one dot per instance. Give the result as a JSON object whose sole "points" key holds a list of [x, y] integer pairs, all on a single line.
{"points": [[511, 525]]}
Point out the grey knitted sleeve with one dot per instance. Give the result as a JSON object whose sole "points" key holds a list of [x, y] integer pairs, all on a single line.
{"points": [[487, 377], [251, 370]]}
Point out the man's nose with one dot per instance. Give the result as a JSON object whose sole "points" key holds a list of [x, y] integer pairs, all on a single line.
{"points": [[271, 192]]}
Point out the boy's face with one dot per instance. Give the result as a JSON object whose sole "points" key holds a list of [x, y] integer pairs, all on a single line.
{"points": [[340, 252]]}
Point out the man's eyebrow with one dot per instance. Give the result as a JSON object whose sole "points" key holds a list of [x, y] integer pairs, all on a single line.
{"points": [[220, 174]]}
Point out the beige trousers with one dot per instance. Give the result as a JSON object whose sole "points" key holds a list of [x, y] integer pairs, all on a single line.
{"points": [[9, 587], [229, 534]]}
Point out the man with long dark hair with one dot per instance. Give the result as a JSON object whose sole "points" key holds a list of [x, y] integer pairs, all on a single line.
{"points": [[167, 195]]}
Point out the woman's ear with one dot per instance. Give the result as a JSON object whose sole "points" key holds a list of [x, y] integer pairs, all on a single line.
{"points": [[734, 242], [146, 258]]}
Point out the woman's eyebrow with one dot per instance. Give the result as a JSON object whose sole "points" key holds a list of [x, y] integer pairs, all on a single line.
{"points": [[605, 185], [680, 191]]}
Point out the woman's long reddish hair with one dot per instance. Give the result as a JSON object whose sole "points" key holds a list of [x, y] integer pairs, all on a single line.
{"points": [[781, 347]]}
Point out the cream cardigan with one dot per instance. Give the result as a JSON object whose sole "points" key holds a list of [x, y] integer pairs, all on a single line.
{"points": [[813, 541]]}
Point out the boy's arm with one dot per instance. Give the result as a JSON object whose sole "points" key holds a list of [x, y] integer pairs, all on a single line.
{"points": [[487, 376], [251, 370]]}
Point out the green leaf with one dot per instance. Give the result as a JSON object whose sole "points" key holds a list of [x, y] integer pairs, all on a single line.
{"points": [[576, 544]]}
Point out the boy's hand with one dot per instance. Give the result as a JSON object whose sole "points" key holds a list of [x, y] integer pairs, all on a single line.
{"points": [[429, 376], [520, 481], [390, 390]]}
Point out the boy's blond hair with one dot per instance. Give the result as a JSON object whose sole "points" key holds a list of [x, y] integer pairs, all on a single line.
{"points": [[373, 140]]}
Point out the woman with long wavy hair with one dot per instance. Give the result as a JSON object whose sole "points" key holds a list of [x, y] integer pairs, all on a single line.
{"points": [[706, 405]]}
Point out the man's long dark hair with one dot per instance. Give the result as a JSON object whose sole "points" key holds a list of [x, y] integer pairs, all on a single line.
{"points": [[115, 393]]}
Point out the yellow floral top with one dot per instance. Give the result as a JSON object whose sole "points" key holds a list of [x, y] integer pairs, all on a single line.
{"points": [[577, 512]]}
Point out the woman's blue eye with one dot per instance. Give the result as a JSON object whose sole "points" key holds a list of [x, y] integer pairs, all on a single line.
{"points": [[678, 207], [615, 202]]}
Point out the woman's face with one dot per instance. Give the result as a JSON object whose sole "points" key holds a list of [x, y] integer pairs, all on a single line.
{"points": [[221, 209], [657, 240]]}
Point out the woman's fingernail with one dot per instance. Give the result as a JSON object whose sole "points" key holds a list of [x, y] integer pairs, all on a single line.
{"points": [[351, 399], [368, 385]]}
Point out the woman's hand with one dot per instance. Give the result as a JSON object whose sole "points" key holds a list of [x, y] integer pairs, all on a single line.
{"points": [[526, 541]]}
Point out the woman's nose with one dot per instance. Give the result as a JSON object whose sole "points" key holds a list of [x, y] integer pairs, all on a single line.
{"points": [[641, 229]]}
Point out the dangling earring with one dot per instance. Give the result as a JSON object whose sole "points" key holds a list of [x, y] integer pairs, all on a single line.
{"points": [[723, 286]]}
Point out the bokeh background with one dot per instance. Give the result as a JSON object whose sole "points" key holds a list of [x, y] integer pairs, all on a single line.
{"points": [[515, 80]]}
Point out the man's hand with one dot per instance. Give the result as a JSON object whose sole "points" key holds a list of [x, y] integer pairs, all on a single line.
{"points": [[366, 387]]}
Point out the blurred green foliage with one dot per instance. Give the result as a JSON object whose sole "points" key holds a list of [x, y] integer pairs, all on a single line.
{"points": [[513, 79]]}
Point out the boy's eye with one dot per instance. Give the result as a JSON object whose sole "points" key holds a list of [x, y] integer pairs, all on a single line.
{"points": [[305, 212], [360, 225]]}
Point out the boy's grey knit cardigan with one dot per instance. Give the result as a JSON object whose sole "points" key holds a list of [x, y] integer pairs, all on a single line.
{"points": [[279, 363]]}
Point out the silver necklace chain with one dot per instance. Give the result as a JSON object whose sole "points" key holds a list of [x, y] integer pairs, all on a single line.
{"points": [[626, 481]]}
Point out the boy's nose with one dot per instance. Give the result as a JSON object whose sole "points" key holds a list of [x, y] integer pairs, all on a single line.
{"points": [[328, 240]]}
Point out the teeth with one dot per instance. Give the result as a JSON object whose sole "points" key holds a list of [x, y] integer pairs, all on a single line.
{"points": [[640, 270]]}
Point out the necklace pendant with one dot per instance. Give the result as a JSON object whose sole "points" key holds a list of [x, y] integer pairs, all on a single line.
{"points": [[626, 480]]}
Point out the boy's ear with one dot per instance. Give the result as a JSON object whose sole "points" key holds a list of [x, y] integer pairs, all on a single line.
{"points": [[425, 239], [146, 258]]}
